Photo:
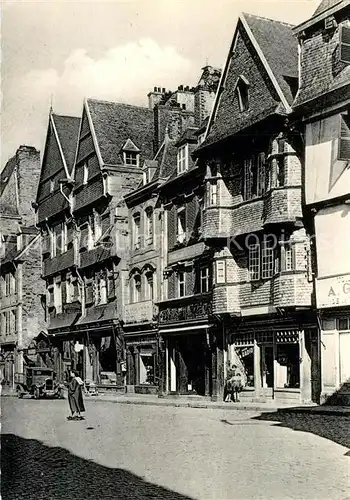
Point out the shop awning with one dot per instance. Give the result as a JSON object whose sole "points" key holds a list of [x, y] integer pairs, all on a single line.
{"points": [[98, 314], [64, 320]]}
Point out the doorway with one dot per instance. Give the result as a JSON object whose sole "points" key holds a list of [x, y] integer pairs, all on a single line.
{"points": [[266, 369]]}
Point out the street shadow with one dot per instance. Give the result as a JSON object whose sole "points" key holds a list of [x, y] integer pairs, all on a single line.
{"points": [[335, 428], [34, 471]]}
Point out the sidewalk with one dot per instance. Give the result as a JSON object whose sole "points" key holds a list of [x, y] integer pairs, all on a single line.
{"points": [[206, 403], [179, 402]]}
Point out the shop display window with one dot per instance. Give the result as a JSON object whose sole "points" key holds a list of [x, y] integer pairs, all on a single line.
{"points": [[245, 363], [147, 367], [288, 366]]}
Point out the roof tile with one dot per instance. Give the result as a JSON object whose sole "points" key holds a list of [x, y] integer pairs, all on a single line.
{"points": [[114, 123], [67, 130]]}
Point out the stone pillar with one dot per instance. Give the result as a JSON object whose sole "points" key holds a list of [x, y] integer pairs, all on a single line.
{"points": [[257, 371], [305, 367], [136, 366], [162, 366]]}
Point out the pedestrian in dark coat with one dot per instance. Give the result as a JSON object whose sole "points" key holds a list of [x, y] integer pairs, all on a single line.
{"points": [[75, 397]]}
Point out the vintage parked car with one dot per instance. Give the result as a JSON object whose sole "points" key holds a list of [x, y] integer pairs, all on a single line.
{"points": [[38, 382]]}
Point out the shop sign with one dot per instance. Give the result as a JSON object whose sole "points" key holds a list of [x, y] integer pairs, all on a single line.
{"points": [[246, 352], [190, 312], [139, 312], [333, 292]]}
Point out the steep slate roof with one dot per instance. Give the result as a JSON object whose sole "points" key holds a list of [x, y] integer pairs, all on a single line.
{"points": [[6, 173], [279, 46], [167, 159], [67, 130], [114, 123], [325, 5]]}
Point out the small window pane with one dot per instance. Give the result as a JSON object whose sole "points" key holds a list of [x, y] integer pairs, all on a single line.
{"points": [[254, 261], [343, 324], [220, 271]]}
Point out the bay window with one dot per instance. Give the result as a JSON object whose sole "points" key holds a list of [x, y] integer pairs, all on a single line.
{"points": [[267, 255], [254, 176]]}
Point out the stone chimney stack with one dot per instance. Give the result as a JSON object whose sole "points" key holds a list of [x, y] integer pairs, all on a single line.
{"points": [[155, 97]]}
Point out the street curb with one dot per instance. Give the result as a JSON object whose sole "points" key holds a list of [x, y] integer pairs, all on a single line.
{"points": [[313, 410], [344, 412], [187, 405]]}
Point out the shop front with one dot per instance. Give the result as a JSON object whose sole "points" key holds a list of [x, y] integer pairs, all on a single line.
{"points": [[141, 345], [188, 361], [142, 362], [102, 354], [335, 356], [190, 351], [276, 364]]}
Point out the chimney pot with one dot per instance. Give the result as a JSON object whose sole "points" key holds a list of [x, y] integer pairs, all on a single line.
{"points": [[163, 90], [154, 89]]}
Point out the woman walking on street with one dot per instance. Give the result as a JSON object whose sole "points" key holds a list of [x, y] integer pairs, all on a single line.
{"points": [[75, 397]]}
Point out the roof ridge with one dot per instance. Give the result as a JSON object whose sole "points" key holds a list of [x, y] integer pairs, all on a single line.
{"points": [[91, 99], [269, 19]]}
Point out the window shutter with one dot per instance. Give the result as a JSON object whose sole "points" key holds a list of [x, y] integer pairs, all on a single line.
{"points": [[247, 194], [344, 139], [191, 214], [111, 286], [84, 236], [88, 292], [69, 236], [64, 292], [105, 222], [261, 174], [172, 219], [46, 245], [345, 44]]}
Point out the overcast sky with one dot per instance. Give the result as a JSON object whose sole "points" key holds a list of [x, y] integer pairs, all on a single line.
{"points": [[63, 50]]}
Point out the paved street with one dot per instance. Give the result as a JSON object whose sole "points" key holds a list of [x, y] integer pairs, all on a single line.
{"points": [[137, 452]]}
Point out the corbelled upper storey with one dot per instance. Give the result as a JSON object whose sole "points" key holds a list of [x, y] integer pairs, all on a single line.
{"points": [[324, 57], [260, 77]]}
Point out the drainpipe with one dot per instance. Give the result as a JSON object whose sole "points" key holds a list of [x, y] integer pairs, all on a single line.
{"points": [[19, 319]]}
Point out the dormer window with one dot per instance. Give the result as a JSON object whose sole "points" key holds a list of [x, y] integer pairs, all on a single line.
{"points": [[242, 93], [131, 154], [131, 159], [182, 159]]}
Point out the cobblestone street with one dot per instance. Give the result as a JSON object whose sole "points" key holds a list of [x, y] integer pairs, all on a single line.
{"points": [[138, 452]]}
